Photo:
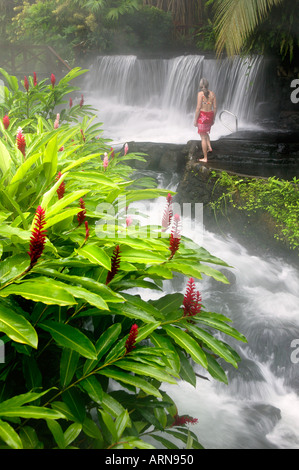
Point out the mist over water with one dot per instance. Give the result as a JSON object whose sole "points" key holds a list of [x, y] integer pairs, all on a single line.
{"points": [[155, 100]]}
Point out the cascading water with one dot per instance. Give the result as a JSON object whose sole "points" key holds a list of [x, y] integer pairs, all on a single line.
{"points": [[259, 408], [155, 100]]}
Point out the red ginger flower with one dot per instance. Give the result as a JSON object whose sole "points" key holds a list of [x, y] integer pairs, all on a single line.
{"points": [[192, 300], [81, 214], [168, 213], [86, 231], [130, 343], [5, 121], [175, 237], [61, 189], [26, 83], [53, 80], [83, 136], [81, 101], [34, 79], [112, 153], [115, 262], [21, 142], [182, 420], [71, 102], [38, 237]]}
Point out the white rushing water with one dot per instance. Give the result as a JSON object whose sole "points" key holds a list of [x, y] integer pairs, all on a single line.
{"points": [[155, 100], [259, 408]]}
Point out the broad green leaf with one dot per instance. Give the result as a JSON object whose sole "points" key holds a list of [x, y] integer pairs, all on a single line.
{"points": [[165, 343], [221, 326], [72, 432], [141, 257], [93, 177], [111, 405], [104, 343], [132, 311], [70, 337], [109, 423], [50, 159], [186, 371], [187, 343], [121, 376], [57, 433], [96, 255], [16, 327], [213, 344], [52, 191], [49, 294], [87, 296], [141, 304], [10, 436], [216, 370], [13, 266], [122, 422], [31, 412], [20, 174], [68, 365], [170, 305], [76, 403], [146, 370], [79, 161], [59, 217], [19, 400], [94, 389], [166, 443], [65, 201]]}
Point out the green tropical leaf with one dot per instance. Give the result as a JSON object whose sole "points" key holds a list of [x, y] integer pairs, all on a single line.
{"points": [[10, 436], [94, 389], [47, 293], [16, 327], [146, 370], [213, 344], [68, 365], [96, 255], [70, 337], [187, 343], [123, 377], [31, 412], [104, 343]]}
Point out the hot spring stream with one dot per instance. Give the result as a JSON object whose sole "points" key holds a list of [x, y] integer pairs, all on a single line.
{"points": [[259, 408]]}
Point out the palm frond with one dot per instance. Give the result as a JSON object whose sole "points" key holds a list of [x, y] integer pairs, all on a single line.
{"points": [[235, 20]]}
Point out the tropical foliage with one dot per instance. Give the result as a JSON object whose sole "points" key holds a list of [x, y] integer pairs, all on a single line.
{"points": [[84, 354], [276, 197]]}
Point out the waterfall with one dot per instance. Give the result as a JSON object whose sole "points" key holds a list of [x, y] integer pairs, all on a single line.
{"points": [[155, 99], [259, 408]]}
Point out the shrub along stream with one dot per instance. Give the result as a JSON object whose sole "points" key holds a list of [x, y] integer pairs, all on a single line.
{"points": [[69, 255]]}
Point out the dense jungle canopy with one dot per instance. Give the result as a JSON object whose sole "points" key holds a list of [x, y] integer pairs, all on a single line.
{"points": [[77, 27]]}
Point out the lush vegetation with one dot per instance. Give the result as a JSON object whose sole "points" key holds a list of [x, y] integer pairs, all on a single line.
{"points": [[76, 28], [277, 197], [84, 355]]}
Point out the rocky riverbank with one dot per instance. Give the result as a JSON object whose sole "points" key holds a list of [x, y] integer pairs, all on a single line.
{"points": [[258, 154]]}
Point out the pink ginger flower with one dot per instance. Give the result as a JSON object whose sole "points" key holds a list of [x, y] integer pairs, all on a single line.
{"points": [[81, 214], [126, 148], [81, 101], [61, 189], [192, 300], [34, 79], [26, 83], [115, 262], [129, 221], [38, 237], [182, 420], [5, 121], [105, 161], [53, 80], [130, 343], [56, 122], [175, 236], [21, 142], [167, 214]]}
